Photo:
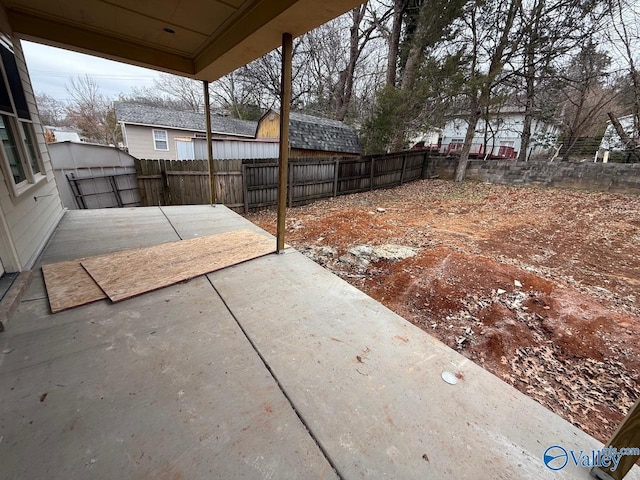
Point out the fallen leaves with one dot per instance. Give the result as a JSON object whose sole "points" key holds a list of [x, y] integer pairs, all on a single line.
{"points": [[525, 243]]}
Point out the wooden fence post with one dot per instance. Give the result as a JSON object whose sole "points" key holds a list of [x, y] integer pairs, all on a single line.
{"points": [[335, 177], [404, 168], [292, 166], [424, 165], [166, 190], [141, 187], [245, 189], [371, 177]]}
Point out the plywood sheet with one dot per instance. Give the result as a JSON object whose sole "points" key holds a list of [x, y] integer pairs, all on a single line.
{"points": [[69, 285], [126, 274]]}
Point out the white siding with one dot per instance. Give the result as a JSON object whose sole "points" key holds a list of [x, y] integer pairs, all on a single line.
{"points": [[611, 140], [507, 129], [140, 142], [28, 220]]}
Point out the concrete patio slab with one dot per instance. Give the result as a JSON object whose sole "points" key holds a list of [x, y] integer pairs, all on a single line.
{"points": [[274, 368], [207, 220], [84, 233], [160, 386], [368, 383]]}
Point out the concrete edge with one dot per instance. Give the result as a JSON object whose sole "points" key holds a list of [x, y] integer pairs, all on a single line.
{"points": [[11, 300]]}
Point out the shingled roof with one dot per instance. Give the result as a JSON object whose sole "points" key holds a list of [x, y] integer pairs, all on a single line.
{"points": [[140, 114], [307, 132], [316, 133]]}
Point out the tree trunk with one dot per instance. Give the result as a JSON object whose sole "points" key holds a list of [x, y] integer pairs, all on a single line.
{"points": [[525, 140], [394, 42], [630, 143], [530, 78], [415, 57], [345, 88], [461, 168]]}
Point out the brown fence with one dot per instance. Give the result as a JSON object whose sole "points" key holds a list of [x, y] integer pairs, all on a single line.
{"points": [[186, 182], [245, 185]]}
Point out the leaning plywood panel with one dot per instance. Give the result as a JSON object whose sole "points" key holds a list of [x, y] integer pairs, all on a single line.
{"points": [[126, 274], [69, 285]]}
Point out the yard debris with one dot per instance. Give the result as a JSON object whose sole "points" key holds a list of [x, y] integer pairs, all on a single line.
{"points": [[449, 377], [569, 339], [380, 210], [7, 351]]}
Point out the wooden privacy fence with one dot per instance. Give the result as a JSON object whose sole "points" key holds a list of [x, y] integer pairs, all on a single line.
{"points": [[186, 182], [245, 185]]}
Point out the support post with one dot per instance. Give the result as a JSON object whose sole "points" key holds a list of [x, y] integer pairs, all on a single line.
{"points": [[285, 107], [626, 437], [207, 114]]}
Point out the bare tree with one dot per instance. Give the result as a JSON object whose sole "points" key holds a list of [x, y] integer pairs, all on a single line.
{"points": [[51, 111], [587, 96], [551, 29], [361, 33], [624, 36], [237, 96], [494, 40], [91, 112], [184, 90], [399, 8]]}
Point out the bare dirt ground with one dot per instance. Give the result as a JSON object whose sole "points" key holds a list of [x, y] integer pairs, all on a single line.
{"points": [[539, 286]]}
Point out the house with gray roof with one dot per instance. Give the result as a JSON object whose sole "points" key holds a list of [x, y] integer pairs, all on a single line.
{"points": [[311, 136], [158, 133]]}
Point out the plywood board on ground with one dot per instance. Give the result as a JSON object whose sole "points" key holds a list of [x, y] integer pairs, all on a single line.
{"points": [[126, 274], [69, 285]]}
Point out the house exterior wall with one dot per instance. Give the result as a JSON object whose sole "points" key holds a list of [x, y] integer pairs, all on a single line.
{"points": [[611, 140], [506, 129], [140, 142], [27, 220]]}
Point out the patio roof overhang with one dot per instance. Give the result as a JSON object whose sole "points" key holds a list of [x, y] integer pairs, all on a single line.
{"points": [[202, 39]]}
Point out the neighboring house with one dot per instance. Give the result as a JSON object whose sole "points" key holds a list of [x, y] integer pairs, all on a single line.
{"points": [[312, 136], [430, 140], [160, 133], [612, 141], [499, 138], [94, 176], [59, 134], [30, 206]]}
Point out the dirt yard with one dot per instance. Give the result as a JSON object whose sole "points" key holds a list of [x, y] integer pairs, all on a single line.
{"points": [[539, 286]]}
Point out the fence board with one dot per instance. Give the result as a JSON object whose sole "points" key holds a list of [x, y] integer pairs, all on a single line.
{"points": [[244, 185]]}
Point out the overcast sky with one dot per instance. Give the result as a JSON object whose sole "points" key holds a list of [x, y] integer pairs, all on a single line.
{"points": [[51, 68]]}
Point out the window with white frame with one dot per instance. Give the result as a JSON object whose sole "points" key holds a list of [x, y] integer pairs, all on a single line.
{"points": [[160, 140], [19, 153]]}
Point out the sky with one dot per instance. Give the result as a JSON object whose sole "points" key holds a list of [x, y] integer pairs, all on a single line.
{"points": [[51, 68]]}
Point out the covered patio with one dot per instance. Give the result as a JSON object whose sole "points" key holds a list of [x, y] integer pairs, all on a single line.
{"points": [[274, 368]]}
